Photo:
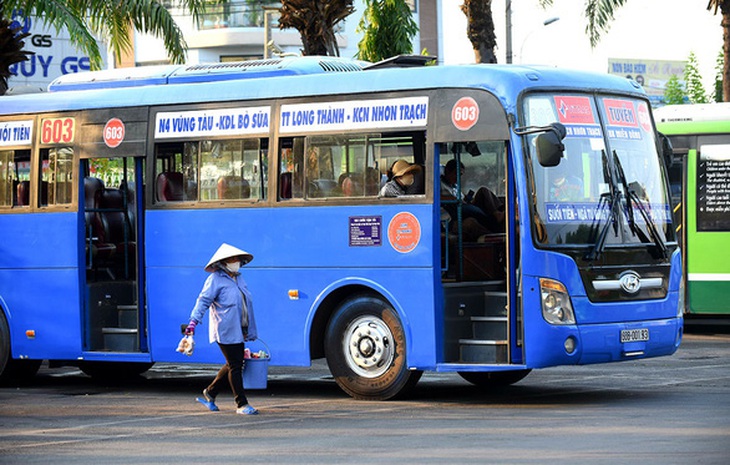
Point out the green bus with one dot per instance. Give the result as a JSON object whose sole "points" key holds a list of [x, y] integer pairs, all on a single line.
{"points": [[700, 183]]}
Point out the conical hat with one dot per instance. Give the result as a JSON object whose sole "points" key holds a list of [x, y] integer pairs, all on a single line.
{"points": [[227, 251]]}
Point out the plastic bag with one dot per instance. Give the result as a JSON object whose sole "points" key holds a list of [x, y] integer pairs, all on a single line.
{"points": [[186, 345]]}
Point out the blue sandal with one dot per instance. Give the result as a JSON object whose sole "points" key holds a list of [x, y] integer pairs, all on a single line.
{"points": [[208, 401]]}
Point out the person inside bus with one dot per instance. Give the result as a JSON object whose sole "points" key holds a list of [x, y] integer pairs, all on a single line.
{"points": [[482, 213], [230, 315], [565, 187], [404, 176]]}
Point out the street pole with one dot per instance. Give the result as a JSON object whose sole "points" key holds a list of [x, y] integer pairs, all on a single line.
{"points": [[508, 28]]}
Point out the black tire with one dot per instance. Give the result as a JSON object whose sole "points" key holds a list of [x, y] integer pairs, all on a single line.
{"points": [[365, 349], [114, 371], [13, 370], [494, 379]]}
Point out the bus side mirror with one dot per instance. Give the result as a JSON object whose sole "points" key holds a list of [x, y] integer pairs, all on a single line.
{"points": [[550, 146], [667, 150]]}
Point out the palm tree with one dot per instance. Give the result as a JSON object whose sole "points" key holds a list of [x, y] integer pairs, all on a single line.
{"points": [[480, 28], [315, 20], [110, 20], [11, 50]]}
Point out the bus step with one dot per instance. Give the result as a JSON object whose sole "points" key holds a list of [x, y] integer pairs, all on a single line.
{"points": [[127, 315], [120, 339], [495, 303], [482, 351], [489, 327]]}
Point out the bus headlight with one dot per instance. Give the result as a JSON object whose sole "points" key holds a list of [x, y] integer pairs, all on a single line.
{"points": [[556, 306]]}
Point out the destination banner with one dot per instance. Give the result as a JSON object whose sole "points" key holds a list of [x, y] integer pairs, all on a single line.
{"points": [[210, 123], [567, 212], [16, 133], [410, 112]]}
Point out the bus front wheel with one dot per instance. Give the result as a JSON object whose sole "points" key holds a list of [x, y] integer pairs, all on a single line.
{"points": [[365, 349]]}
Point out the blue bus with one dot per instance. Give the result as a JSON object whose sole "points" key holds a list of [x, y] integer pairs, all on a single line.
{"points": [[117, 186]]}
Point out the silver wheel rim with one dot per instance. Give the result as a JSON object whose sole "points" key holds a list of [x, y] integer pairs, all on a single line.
{"points": [[368, 346]]}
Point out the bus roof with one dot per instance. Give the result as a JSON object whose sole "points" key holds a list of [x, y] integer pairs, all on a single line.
{"points": [[161, 86], [182, 74], [711, 118]]}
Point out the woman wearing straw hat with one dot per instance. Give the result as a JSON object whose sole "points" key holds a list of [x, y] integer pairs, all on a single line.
{"points": [[231, 321]]}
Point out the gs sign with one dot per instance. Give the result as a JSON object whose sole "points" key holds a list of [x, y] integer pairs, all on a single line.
{"points": [[41, 40]]}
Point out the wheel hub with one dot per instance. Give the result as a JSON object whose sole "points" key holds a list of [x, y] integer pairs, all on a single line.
{"points": [[369, 347]]}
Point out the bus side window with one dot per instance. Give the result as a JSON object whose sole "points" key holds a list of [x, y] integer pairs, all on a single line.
{"points": [[56, 176], [176, 172], [231, 169], [291, 162], [14, 178]]}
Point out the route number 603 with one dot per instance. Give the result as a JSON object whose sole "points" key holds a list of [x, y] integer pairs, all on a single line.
{"points": [[58, 130]]}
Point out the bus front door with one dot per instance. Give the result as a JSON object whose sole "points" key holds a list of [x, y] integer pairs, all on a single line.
{"points": [[114, 319]]}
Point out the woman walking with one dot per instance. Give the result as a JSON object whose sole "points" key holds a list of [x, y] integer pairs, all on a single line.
{"points": [[231, 321]]}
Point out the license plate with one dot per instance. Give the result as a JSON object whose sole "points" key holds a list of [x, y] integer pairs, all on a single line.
{"points": [[634, 335]]}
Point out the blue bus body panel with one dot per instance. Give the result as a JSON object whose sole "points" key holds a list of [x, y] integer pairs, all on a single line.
{"points": [[39, 283], [600, 324], [180, 243]]}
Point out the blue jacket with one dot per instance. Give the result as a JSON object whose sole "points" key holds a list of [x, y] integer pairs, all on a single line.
{"points": [[224, 297]]}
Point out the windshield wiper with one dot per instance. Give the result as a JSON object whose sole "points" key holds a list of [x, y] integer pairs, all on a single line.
{"points": [[615, 197], [632, 198]]}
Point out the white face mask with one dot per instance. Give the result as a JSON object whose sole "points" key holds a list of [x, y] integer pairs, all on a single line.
{"points": [[233, 267]]}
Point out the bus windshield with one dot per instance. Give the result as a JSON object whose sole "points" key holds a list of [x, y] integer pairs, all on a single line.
{"points": [[609, 187]]}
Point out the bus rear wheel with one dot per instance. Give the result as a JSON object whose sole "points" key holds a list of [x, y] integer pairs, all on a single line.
{"points": [[13, 370], [494, 379], [365, 349]]}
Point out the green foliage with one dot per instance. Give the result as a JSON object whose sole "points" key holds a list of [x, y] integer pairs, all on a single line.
{"points": [[674, 91], [388, 28], [693, 81], [11, 50], [111, 21], [719, 64]]}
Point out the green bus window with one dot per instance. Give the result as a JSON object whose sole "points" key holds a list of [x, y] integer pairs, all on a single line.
{"points": [[56, 176]]}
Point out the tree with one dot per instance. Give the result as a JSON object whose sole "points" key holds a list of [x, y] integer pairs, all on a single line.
{"points": [[11, 49], [480, 28], [111, 21], [388, 28], [693, 81], [717, 94], [673, 91], [315, 20], [600, 14]]}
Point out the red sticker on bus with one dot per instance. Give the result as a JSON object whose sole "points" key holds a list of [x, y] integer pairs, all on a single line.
{"points": [[620, 112], [465, 113], [404, 232], [574, 110], [644, 118], [113, 133]]}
